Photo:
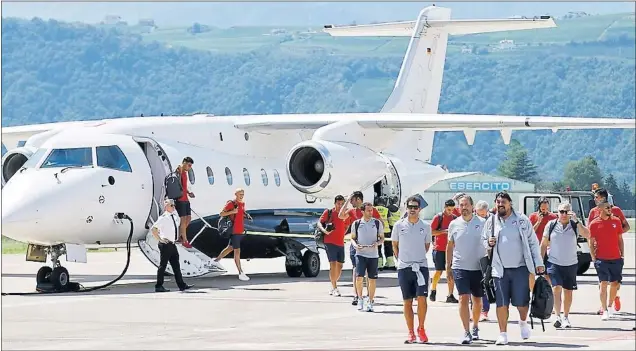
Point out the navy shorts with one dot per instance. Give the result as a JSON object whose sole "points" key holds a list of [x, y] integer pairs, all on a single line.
{"points": [[468, 282], [235, 240], [609, 270], [563, 276], [183, 208], [367, 266], [335, 253], [513, 287], [408, 283], [439, 259]]}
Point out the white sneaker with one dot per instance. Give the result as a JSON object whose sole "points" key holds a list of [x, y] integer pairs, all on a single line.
{"points": [[242, 276], [525, 330], [336, 292], [566, 323], [369, 306], [502, 339], [605, 316], [361, 304], [611, 312]]}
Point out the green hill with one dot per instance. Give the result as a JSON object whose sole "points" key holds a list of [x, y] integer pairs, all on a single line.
{"points": [[54, 71]]}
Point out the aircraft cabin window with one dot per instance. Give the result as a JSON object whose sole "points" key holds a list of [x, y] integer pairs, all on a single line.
{"points": [[228, 176], [112, 157], [264, 177], [210, 175], [191, 176], [246, 176], [34, 159], [72, 157], [276, 178]]}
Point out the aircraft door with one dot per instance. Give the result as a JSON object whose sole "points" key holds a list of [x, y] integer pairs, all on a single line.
{"points": [[159, 168]]}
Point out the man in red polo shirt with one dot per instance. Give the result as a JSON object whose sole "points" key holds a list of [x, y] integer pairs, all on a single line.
{"points": [[606, 236], [440, 239], [601, 196], [539, 220], [182, 205], [351, 211], [334, 241], [236, 210]]}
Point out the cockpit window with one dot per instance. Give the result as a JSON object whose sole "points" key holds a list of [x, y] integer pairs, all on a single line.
{"points": [[35, 158], [75, 157], [112, 157]]}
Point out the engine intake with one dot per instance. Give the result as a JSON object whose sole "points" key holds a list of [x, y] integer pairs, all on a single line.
{"points": [[326, 169], [13, 160]]}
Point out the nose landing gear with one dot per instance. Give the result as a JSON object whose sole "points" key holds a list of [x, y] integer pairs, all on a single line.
{"points": [[54, 278]]}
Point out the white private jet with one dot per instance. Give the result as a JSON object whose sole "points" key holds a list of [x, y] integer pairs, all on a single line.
{"points": [[63, 187]]}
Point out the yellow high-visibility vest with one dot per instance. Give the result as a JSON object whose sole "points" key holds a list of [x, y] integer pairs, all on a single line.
{"points": [[395, 216], [384, 215]]}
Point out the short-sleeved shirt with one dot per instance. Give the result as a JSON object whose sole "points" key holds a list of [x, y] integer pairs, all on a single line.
{"points": [[367, 233], [596, 212], [442, 239], [411, 238], [167, 228], [607, 232], [340, 226], [356, 213], [562, 244], [184, 185], [534, 218], [509, 243], [239, 218], [468, 249]]}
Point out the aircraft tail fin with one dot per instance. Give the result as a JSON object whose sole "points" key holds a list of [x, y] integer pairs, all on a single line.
{"points": [[419, 83]]}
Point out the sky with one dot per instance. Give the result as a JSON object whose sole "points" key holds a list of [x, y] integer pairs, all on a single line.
{"points": [[227, 14]]}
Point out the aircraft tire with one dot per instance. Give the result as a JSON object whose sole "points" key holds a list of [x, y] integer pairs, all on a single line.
{"points": [[44, 274], [294, 271], [311, 264], [60, 278]]}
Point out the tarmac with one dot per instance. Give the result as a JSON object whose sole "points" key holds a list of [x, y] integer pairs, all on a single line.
{"points": [[271, 311]]}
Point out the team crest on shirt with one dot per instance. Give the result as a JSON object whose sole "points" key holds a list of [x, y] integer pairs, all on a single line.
{"points": [[421, 231], [613, 225]]}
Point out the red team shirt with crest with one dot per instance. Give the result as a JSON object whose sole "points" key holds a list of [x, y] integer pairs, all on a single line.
{"points": [[607, 232], [239, 225]]}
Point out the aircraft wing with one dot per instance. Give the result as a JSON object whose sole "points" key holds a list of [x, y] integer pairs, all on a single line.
{"points": [[12, 135], [469, 124]]}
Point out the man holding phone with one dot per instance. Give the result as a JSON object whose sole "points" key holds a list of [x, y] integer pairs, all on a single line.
{"points": [[561, 235], [539, 220]]}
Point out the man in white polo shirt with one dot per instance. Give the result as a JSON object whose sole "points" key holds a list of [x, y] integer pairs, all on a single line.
{"points": [[166, 231]]}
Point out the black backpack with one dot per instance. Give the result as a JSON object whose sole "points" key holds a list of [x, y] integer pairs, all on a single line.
{"points": [[172, 182], [319, 236], [542, 302], [377, 225], [441, 220], [554, 223], [226, 225]]}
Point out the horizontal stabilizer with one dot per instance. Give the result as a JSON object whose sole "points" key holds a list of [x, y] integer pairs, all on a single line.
{"points": [[452, 27], [430, 122]]}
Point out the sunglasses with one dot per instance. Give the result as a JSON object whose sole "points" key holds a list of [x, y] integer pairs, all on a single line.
{"points": [[563, 212], [412, 207]]}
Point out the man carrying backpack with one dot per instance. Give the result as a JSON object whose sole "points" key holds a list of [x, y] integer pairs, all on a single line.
{"points": [[515, 254], [334, 241], [561, 236], [367, 234], [439, 226]]}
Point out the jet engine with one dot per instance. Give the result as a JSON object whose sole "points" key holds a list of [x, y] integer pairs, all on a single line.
{"points": [[325, 169], [13, 160]]}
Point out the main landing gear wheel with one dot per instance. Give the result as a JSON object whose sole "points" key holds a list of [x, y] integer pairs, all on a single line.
{"points": [[294, 271], [311, 264]]}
